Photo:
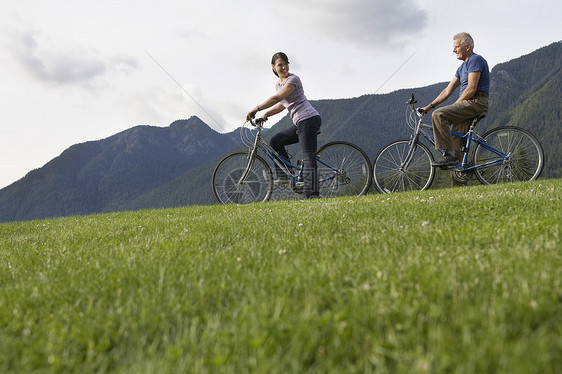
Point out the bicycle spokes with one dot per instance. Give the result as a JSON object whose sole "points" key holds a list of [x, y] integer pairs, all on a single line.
{"points": [[510, 154]]}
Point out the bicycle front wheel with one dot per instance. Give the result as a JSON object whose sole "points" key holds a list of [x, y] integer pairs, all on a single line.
{"points": [[396, 169], [239, 180], [509, 154], [343, 169]]}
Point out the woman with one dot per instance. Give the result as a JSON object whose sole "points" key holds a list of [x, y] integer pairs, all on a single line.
{"points": [[290, 96]]}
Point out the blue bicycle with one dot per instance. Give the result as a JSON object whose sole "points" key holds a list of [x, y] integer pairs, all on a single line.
{"points": [[503, 154], [246, 177]]}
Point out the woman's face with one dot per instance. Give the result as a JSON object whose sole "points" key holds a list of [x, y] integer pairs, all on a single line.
{"points": [[281, 68]]}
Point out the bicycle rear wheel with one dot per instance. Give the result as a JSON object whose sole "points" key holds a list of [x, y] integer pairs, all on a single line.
{"points": [[523, 160], [229, 185], [343, 169], [395, 171]]}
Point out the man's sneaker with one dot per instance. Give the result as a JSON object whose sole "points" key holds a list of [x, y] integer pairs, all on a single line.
{"points": [[445, 161]]}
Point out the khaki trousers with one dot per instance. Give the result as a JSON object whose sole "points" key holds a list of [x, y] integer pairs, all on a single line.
{"points": [[456, 117]]}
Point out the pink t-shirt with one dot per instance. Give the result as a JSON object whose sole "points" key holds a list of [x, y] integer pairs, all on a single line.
{"points": [[296, 103]]}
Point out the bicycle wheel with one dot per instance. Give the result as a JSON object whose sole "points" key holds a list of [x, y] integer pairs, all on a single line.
{"points": [[393, 172], [228, 186], [522, 158], [343, 169]]}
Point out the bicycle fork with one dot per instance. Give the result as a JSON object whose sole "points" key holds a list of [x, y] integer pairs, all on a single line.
{"points": [[251, 158], [249, 166], [413, 145]]}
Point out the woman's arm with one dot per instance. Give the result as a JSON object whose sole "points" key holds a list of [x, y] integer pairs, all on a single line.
{"points": [[273, 111], [273, 101]]}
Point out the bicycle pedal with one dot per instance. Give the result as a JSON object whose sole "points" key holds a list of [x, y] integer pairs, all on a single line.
{"points": [[282, 182]]}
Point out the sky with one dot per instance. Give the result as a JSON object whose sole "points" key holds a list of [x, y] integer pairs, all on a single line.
{"points": [[76, 71]]}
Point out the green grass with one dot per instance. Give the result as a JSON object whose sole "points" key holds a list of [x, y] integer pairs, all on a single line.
{"points": [[445, 281]]}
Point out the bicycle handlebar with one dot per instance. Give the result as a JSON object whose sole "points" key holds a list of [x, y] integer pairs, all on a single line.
{"points": [[418, 111], [256, 122], [412, 101]]}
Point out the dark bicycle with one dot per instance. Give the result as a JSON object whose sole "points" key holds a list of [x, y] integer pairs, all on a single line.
{"points": [[503, 154], [246, 177]]}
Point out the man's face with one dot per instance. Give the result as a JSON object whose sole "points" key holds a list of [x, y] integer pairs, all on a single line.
{"points": [[462, 51]]}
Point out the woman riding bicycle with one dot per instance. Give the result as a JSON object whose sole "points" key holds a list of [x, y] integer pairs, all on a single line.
{"points": [[290, 96]]}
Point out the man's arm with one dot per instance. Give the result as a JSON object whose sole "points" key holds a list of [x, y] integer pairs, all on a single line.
{"points": [[444, 95], [470, 90]]}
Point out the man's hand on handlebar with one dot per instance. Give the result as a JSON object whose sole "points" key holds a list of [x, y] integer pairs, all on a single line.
{"points": [[425, 109]]}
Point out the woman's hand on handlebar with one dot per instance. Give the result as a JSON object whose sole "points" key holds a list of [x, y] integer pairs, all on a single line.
{"points": [[251, 114], [257, 121], [260, 121]]}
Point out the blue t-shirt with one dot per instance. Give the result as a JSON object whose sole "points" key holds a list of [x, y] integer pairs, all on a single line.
{"points": [[296, 103], [474, 63]]}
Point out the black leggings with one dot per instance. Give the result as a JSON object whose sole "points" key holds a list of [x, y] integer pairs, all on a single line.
{"points": [[305, 133]]}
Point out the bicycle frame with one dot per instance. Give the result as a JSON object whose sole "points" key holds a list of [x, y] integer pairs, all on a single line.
{"points": [[276, 158], [464, 166], [280, 161]]}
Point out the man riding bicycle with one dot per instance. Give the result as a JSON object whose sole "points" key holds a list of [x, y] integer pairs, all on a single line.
{"points": [[473, 77]]}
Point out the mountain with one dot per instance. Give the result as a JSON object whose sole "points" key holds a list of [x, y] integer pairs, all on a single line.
{"points": [[154, 167], [100, 176]]}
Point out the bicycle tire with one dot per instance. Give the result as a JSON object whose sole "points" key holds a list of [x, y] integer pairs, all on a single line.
{"points": [[390, 176], [226, 180], [347, 171], [524, 162]]}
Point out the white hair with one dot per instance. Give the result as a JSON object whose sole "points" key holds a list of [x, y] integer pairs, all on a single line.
{"points": [[465, 39]]}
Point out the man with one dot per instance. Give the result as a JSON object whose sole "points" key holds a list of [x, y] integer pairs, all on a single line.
{"points": [[473, 77]]}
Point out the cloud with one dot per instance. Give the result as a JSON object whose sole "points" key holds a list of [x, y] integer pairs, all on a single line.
{"points": [[71, 65], [379, 23]]}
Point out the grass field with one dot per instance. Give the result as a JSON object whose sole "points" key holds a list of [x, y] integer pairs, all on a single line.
{"points": [[443, 281]]}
